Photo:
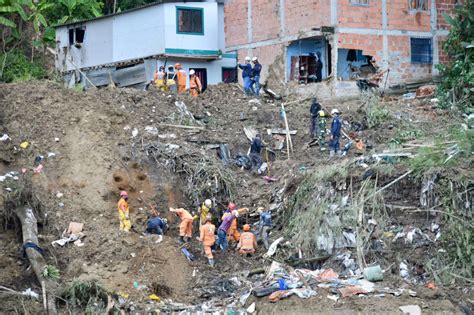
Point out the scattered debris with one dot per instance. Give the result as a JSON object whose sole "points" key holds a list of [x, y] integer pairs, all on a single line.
{"points": [[410, 309]]}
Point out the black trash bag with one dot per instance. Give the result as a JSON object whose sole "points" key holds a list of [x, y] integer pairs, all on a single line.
{"points": [[243, 161]]}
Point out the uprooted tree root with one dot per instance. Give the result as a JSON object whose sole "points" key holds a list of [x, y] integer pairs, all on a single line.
{"points": [[205, 176], [27, 207]]}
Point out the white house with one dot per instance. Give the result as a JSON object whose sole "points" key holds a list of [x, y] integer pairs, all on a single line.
{"points": [[127, 47]]}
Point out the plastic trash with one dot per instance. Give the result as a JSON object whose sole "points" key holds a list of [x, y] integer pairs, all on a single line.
{"points": [[24, 144], [273, 247], [409, 96], [410, 309], [374, 273], [5, 137], [154, 297], [282, 284], [38, 169]]}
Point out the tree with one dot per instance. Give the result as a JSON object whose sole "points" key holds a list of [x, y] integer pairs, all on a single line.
{"points": [[63, 11], [457, 86]]}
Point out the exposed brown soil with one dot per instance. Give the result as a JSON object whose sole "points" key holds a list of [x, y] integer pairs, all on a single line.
{"points": [[97, 156]]}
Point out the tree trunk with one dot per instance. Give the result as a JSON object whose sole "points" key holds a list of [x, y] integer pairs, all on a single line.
{"points": [[38, 262]]}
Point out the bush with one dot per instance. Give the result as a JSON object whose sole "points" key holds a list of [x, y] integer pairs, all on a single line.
{"points": [[457, 85], [19, 68]]}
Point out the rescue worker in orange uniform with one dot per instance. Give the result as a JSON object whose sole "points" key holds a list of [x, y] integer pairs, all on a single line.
{"points": [[233, 232], [248, 242], [195, 87], [208, 238], [186, 225], [124, 212], [181, 76]]}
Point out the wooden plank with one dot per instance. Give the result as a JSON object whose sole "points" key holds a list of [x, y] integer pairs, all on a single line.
{"points": [[280, 131]]}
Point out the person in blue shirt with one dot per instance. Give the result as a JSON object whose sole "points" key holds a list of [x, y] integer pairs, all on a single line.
{"points": [[336, 126], [156, 225], [255, 149], [265, 224], [257, 68], [246, 76]]}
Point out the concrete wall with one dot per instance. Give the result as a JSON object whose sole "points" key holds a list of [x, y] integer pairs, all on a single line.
{"points": [[139, 34], [381, 29], [208, 41]]}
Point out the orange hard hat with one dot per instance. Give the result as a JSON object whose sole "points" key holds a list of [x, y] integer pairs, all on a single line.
{"points": [[123, 193], [231, 206], [177, 65], [246, 227]]}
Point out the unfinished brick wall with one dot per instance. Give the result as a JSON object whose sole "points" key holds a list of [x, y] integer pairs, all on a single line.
{"points": [[364, 16], [401, 67], [443, 56], [400, 17], [371, 45], [267, 56], [235, 12], [302, 15], [266, 20], [444, 6]]}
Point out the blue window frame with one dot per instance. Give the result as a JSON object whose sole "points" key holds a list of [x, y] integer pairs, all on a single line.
{"points": [[189, 20], [421, 50]]}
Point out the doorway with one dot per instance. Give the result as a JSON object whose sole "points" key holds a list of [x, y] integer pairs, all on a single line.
{"points": [[201, 73]]}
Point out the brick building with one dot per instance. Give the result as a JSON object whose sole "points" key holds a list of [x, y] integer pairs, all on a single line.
{"points": [[288, 35]]}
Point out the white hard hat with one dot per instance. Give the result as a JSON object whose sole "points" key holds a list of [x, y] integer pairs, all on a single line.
{"points": [[192, 71], [247, 58], [334, 111], [235, 213], [208, 203], [254, 59]]}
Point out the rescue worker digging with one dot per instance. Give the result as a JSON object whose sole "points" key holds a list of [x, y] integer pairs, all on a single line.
{"points": [[208, 238], [195, 87], [204, 211], [248, 242], [156, 225], [124, 212], [233, 231], [223, 228], [265, 224], [186, 225]]}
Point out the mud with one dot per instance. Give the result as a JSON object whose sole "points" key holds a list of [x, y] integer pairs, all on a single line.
{"points": [[96, 156]]}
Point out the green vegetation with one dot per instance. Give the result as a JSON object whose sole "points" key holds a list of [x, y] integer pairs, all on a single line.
{"points": [[19, 67], [375, 112], [89, 297], [457, 86], [453, 149], [27, 30], [51, 272]]}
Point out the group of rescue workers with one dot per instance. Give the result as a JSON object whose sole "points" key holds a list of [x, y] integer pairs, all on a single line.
{"points": [[318, 131], [208, 218], [174, 80]]}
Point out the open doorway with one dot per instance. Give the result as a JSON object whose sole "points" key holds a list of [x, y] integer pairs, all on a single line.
{"points": [[308, 60], [201, 73]]}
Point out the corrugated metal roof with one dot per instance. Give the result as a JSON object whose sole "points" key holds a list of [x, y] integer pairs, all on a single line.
{"points": [[126, 11]]}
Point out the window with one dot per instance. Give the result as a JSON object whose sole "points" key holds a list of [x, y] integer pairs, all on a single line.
{"points": [[360, 2], [419, 5], [421, 50], [190, 20], [76, 36], [229, 75]]}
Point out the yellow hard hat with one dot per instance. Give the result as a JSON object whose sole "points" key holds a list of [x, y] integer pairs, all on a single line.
{"points": [[321, 113]]}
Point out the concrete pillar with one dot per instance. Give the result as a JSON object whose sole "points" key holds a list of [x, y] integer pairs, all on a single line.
{"points": [[334, 39]]}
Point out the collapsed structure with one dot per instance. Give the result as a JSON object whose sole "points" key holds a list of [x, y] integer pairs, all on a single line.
{"points": [[352, 37]]}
